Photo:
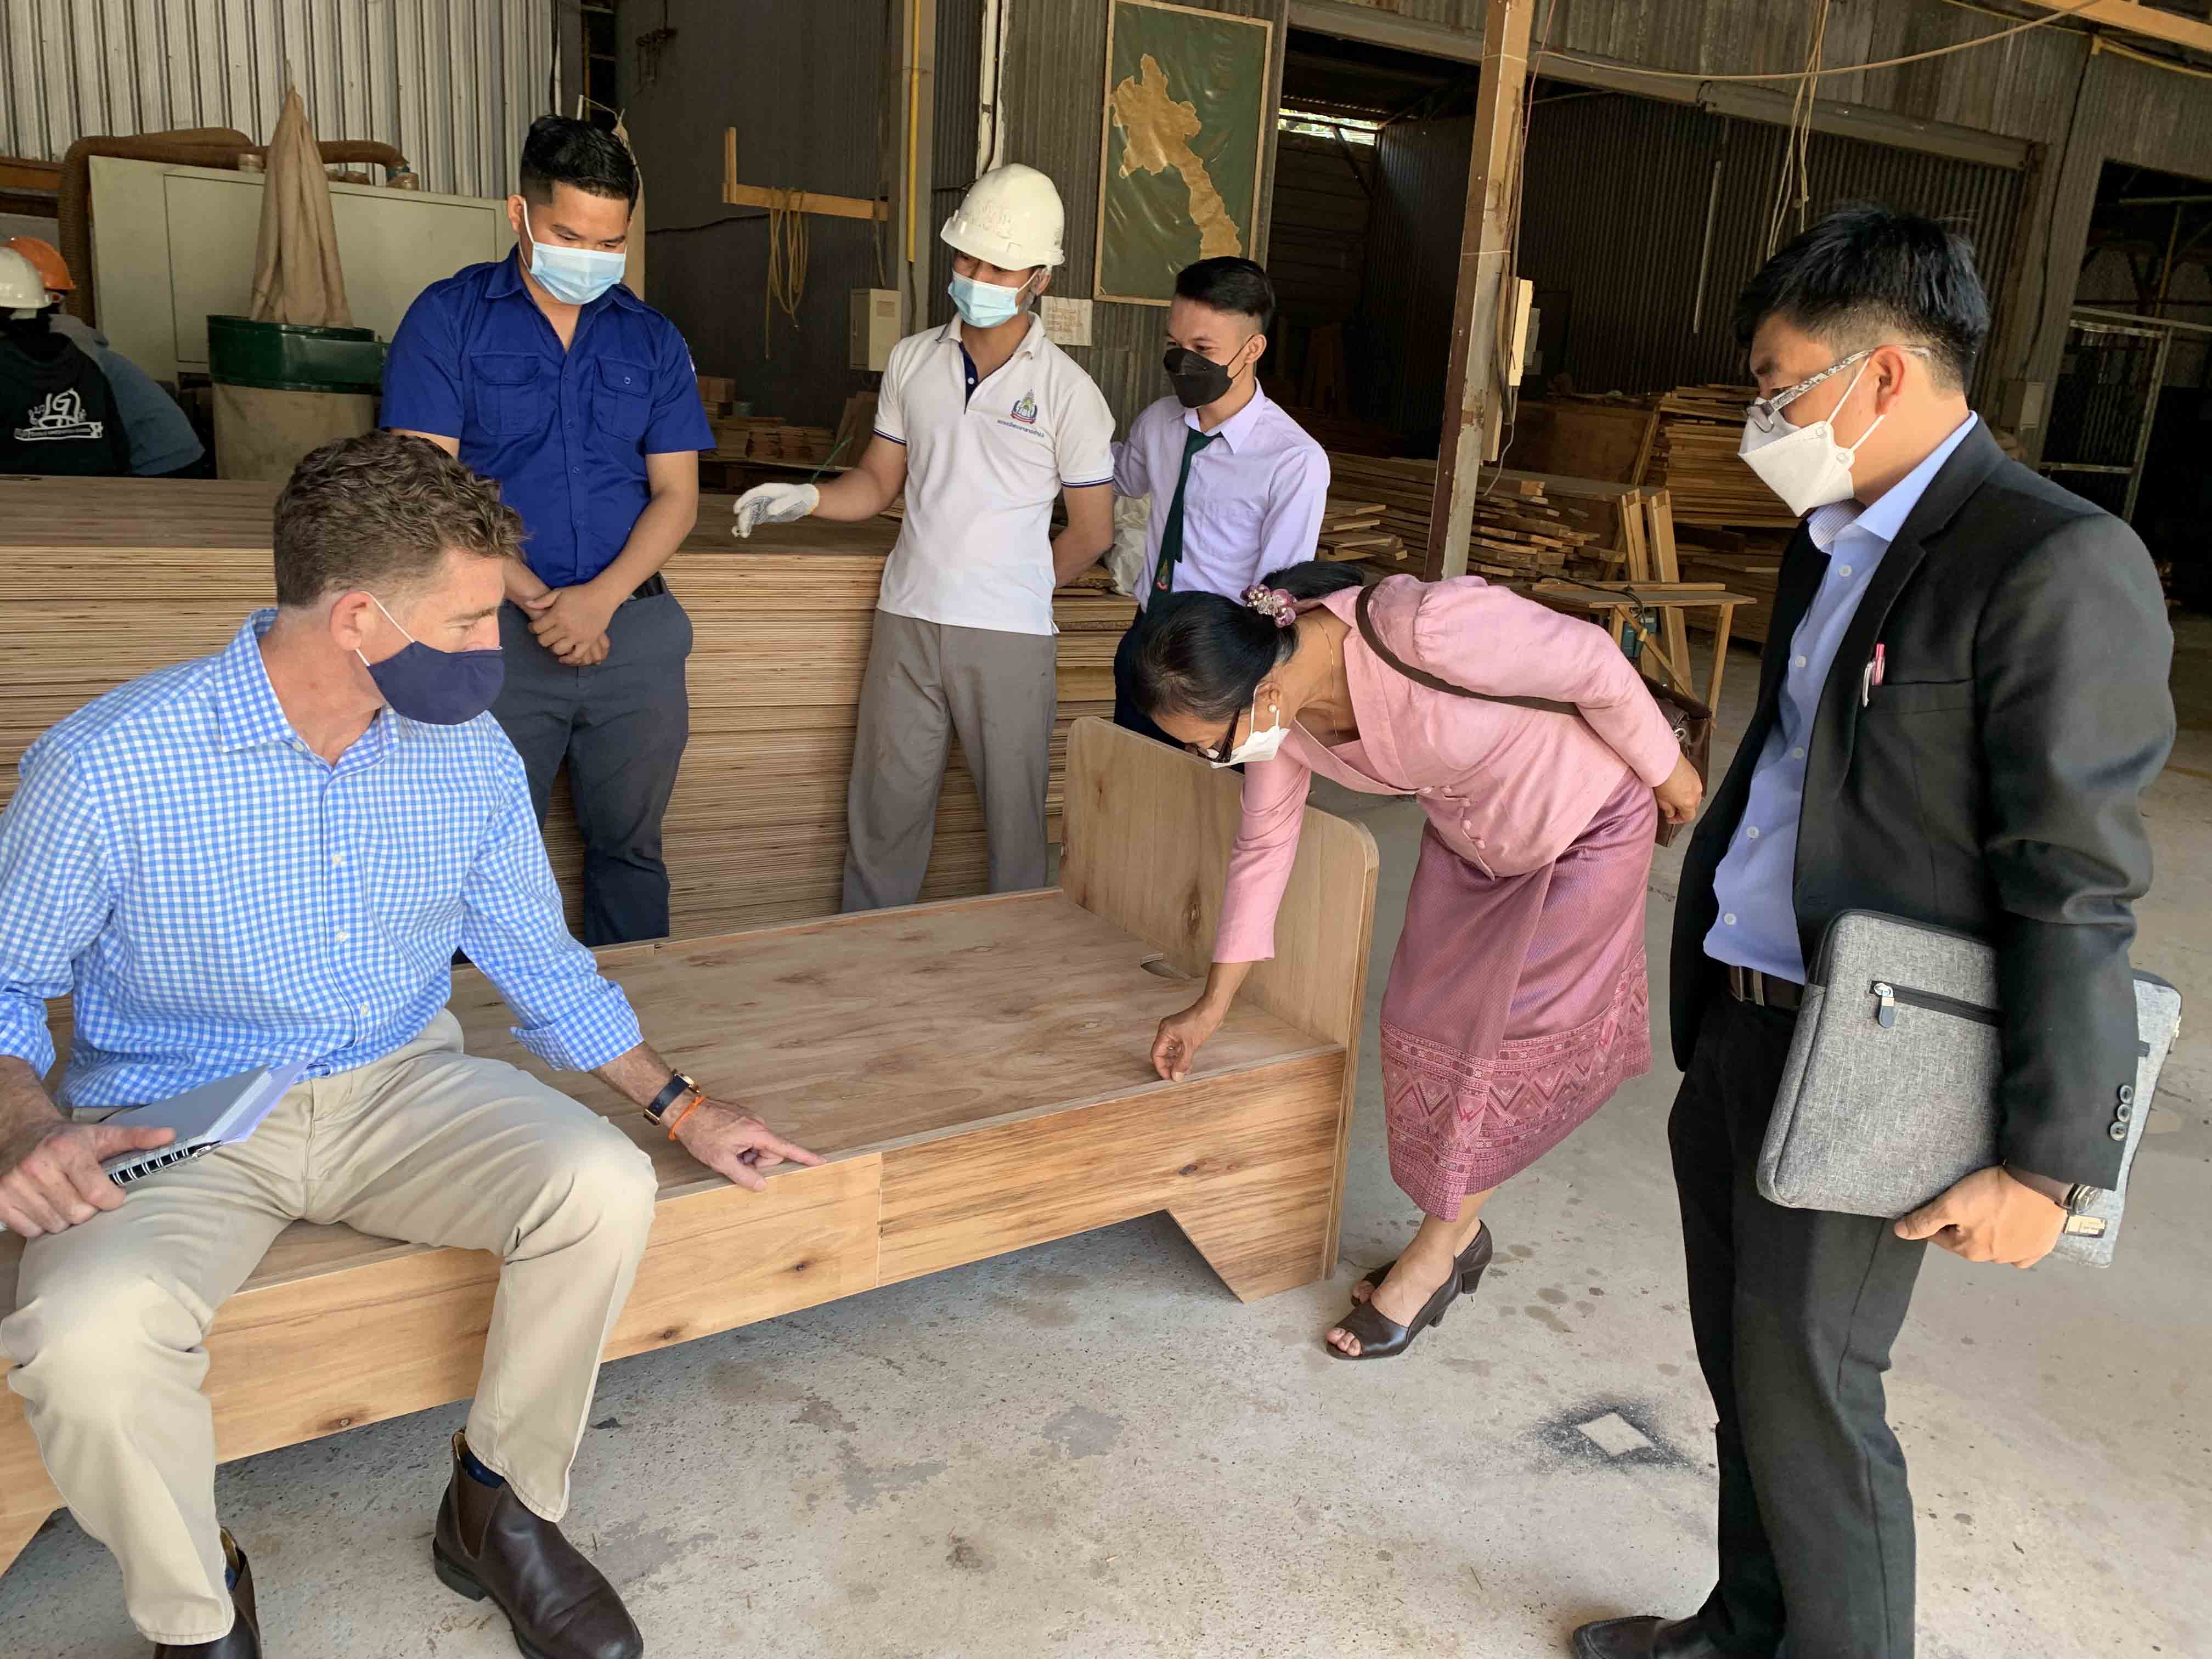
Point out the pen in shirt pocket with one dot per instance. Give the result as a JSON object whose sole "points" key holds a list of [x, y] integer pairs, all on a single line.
{"points": [[1876, 668]]}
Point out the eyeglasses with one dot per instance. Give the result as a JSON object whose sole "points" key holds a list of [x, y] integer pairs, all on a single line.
{"points": [[1225, 747], [1766, 413]]}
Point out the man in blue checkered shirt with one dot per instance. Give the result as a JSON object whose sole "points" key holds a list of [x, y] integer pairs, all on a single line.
{"points": [[270, 855]]}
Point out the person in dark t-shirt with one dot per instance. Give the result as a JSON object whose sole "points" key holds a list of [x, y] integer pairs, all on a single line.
{"points": [[57, 413]]}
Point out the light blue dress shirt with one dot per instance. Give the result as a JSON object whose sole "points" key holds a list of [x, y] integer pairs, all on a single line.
{"points": [[1757, 878], [215, 897]]}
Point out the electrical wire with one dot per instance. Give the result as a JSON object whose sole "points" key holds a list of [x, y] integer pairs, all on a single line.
{"points": [[2098, 42], [787, 263], [1797, 148], [2058, 15]]}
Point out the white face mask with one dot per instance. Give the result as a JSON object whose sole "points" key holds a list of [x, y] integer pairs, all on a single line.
{"points": [[1804, 464], [1260, 746]]}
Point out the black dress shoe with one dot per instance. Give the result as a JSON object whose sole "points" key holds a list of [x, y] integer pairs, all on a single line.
{"points": [[560, 1606], [1645, 1637], [243, 1639]]}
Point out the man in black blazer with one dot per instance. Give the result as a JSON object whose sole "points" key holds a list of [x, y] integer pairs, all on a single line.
{"points": [[1964, 693]]}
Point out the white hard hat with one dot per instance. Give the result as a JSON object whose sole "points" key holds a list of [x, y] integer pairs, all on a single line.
{"points": [[22, 290], [1011, 217]]}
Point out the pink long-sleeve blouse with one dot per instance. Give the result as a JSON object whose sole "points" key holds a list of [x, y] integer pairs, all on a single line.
{"points": [[1507, 789]]}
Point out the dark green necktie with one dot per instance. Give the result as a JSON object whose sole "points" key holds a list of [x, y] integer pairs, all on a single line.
{"points": [[1171, 534]]}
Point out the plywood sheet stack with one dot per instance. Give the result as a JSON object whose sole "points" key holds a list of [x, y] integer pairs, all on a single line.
{"points": [[1695, 460], [754, 438], [1519, 529], [110, 581]]}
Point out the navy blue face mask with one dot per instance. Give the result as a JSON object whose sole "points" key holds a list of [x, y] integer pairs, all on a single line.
{"points": [[439, 688]]}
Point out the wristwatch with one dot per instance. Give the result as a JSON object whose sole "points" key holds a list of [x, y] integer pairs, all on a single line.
{"points": [[2075, 1199], [679, 1085]]}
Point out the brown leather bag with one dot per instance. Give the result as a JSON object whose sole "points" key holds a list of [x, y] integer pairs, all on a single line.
{"points": [[1692, 720]]}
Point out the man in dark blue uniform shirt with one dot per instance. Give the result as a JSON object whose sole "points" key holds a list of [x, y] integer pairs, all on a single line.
{"points": [[542, 372]]}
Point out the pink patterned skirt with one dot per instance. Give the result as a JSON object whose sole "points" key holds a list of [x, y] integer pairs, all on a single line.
{"points": [[1517, 1005]]}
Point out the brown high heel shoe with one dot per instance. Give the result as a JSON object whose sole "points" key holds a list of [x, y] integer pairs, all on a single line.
{"points": [[1472, 1262], [1384, 1339]]}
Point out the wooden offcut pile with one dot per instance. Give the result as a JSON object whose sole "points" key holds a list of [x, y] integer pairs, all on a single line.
{"points": [[110, 580], [1519, 529], [1696, 460]]}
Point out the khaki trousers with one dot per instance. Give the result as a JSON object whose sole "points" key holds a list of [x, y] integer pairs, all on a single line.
{"points": [[925, 682], [430, 1146]]}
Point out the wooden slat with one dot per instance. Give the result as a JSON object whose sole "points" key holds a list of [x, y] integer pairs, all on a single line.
{"points": [[1660, 515]]}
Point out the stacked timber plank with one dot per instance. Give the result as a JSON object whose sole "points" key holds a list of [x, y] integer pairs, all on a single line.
{"points": [[1520, 530], [1748, 561], [1695, 460], [111, 580], [1356, 530]]}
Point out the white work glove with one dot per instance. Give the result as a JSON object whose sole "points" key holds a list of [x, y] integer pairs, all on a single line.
{"points": [[775, 504]]}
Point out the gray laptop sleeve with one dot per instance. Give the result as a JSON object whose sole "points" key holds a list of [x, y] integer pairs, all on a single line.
{"points": [[1889, 1097]]}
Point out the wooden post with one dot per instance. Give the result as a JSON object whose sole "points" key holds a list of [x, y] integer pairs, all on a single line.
{"points": [[1474, 387], [913, 226]]}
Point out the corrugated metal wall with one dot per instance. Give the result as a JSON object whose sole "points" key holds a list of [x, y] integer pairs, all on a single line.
{"points": [[1056, 100], [1615, 249], [2047, 85], [452, 83], [1404, 329], [810, 87], [1612, 233]]}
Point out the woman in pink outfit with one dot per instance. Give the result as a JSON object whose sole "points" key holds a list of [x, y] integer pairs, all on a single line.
{"points": [[1517, 1002]]}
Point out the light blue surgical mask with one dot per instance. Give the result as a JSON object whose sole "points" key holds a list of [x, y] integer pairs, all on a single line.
{"points": [[574, 276], [985, 305]]}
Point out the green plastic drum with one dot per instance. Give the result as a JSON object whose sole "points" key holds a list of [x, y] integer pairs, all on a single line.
{"points": [[293, 356]]}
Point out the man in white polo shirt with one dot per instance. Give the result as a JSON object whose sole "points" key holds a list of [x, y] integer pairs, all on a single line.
{"points": [[982, 422]]}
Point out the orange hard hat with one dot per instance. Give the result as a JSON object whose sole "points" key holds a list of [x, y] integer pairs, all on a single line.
{"points": [[46, 259]]}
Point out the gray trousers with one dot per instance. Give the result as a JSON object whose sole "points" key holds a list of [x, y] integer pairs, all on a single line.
{"points": [[622, 726], [925, 682]]}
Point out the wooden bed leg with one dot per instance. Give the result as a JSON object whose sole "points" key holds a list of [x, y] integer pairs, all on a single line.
{"points": [[1261, 1241], [16, 1531]]}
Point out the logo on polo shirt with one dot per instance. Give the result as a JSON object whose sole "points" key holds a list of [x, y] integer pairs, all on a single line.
{"points": [[1025, 410], [61, 416]]}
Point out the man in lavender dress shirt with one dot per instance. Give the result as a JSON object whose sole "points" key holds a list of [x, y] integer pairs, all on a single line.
{"points": [[1237, 487]]}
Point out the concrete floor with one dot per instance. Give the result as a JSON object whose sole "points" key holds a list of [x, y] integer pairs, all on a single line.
{"points": [[1092, 1448]]}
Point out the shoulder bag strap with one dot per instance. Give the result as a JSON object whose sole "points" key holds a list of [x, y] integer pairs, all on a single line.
{"points": [[1367, 632]]}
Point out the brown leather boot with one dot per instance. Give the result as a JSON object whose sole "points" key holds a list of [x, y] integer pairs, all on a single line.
{"points": [[243, 1639], [560, 1606]]}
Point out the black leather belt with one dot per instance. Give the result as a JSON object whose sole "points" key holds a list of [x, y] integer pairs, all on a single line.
{"points": [[1763, 990], [651, 588]]}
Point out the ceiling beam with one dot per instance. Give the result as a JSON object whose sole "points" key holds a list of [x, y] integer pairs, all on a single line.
{"points": [[2172, 27]]}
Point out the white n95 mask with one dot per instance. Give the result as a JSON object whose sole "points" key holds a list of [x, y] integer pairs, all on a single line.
{"points": [[1260, 746], [1804, 464]]}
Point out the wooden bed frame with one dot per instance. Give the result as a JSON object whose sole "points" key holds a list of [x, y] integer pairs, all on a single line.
{"points": [[976, 1073]]}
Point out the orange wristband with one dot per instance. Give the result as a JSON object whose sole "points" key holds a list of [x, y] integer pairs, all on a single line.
{"points": [[697, 1101]]}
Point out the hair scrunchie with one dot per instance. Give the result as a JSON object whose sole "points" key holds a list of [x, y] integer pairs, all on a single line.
{"points": [[1275, 603]]}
